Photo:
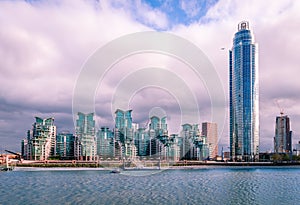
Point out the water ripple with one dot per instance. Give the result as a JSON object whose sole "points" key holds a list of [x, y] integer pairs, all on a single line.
{"points": [[203, 186]]}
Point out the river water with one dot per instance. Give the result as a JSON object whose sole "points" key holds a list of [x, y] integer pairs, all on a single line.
{"points": [[210, 185]]}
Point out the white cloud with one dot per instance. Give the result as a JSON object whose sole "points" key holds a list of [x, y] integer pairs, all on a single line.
{"points": [[190, 7], [150, 16]]}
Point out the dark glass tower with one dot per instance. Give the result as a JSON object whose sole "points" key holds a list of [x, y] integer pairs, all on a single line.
{"points": [[283, 135], [244, 93]]}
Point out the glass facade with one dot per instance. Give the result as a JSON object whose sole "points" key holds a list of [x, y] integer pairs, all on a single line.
{"points": [[244, 93], [41, 140], [283, 135], [65, 145], [159, 125], [124, 142], [141, 141], [105, 142], [193, 146], [123, 119], [85, 132]]}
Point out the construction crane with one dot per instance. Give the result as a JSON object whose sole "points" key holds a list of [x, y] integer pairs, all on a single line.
{"points": [[18, 155], [280, 108]]}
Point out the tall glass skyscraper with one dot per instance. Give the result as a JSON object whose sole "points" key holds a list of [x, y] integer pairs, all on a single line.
{"points": [[244, 93]]}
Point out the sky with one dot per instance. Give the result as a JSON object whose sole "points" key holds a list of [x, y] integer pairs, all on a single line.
{"points": [[44, 46]]}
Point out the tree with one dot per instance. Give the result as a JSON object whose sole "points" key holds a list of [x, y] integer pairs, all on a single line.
{"points": [[277, 157]]}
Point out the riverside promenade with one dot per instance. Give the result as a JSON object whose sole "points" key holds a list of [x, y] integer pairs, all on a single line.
{"points": [[144, 164]]}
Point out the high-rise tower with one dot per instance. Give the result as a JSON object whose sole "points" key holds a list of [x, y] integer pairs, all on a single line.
{"points": [[283, 135], [210, 131], [41, 140], [86, 137], [124, 135], [244, 93]]}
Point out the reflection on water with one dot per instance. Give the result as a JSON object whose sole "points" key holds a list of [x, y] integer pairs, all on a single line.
{"points": [[195, 186]]}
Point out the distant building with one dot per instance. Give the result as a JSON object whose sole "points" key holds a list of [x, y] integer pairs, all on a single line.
{"points": [[123, 119], [65, 145], [141, 141], [124, 144], [158, 124], [283, 135], [40, 143], [25, 149], [298, 149], [210, 131], [187, 136], [226, 156], [126, 141], [85, 137], [243, 96], [158, 135], [105, 143], [193, 145], [172, 148]]}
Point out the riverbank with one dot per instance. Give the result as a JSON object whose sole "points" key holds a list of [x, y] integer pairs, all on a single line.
{"points": [[215, 163], [152, 170], [102, 165], [62, 164]]}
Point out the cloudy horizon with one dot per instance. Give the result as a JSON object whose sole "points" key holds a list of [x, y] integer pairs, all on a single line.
{"points": [[45, 44]]}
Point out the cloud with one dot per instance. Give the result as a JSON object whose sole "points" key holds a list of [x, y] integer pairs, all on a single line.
{"points": [[151, 17], [43, 46], [141, 11], [275, 31], [196, 8], [45, 43], [191, 8]]}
